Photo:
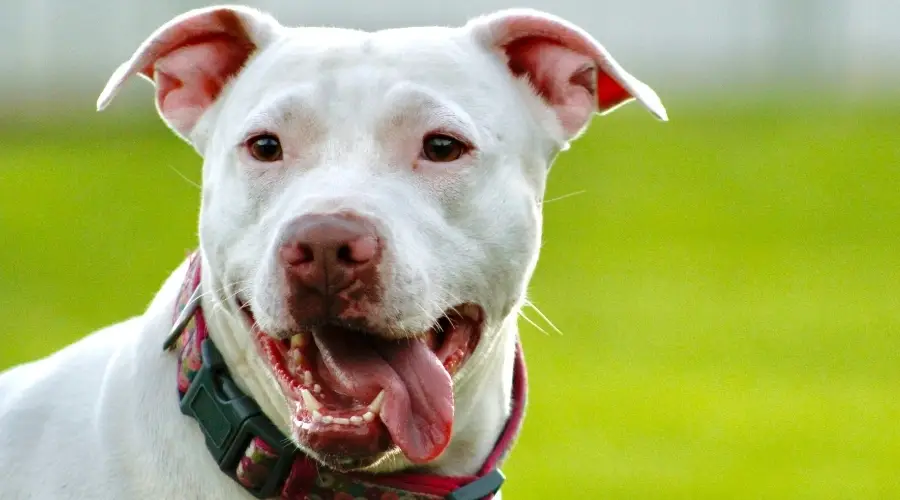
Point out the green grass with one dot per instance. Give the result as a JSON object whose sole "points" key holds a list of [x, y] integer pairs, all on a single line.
{"points": [[728, 285]]}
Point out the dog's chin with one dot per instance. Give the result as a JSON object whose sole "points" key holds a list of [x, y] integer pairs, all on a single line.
{"points": [[357, 397]]}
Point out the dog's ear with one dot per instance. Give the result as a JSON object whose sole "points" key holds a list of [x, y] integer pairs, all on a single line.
{"points": [[567, 68], [191, 58]]}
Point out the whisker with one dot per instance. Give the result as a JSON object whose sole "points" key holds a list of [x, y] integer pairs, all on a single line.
{"points": [[543, 316], [526, 318], [563, 197], [186, 179]]}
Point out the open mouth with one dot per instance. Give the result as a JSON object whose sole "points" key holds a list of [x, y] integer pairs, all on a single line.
{"points": [[356, 395]]}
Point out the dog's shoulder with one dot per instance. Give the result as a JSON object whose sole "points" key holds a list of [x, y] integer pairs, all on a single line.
{"points": [[70, 372], [48, 411], [99, 419]]}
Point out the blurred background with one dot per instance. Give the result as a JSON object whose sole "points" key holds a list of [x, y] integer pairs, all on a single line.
{"points": [[727, 284]]}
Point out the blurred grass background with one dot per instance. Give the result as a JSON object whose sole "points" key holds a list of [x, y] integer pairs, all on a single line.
{"points": [[726, 285]]}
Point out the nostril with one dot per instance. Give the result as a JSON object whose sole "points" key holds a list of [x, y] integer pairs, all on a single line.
{"points": [[345, 254], [294, 255], [306, 253], [360, 250]]}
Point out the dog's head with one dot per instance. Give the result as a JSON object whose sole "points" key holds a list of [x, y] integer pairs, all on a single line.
{"points": [[371, 201]]}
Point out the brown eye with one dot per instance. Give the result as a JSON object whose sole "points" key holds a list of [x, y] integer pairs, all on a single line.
{"points": [[442, 148], [265, 148]]}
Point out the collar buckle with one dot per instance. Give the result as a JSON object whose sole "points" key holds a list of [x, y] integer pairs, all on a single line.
{"points": [[230, 420]]}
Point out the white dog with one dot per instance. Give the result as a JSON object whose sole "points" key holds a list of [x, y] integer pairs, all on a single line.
{"points": [[371, 217]]}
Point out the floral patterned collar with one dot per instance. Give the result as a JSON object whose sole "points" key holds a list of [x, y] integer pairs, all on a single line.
{"points": [[251, 450]]}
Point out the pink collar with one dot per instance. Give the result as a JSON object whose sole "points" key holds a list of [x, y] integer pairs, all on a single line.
{"points": [[250, 450]]}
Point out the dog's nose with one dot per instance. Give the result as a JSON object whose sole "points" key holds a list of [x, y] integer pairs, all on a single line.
{"points": [[328, 252]]}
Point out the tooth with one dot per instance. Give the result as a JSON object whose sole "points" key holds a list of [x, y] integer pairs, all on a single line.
{"points": [[317, 417], [309, 401], [296, 358], [356, 420], [342, 421], [470, 311], [317, 388], [297, 341], [307, 378], [375, 406], [368, 416], [327, 419]]}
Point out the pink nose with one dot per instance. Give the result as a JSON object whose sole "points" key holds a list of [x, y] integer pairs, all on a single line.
{"points": [[327, 253]]}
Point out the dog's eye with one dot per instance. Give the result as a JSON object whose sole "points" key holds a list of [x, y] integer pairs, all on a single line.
{"points": [[442, 148], [265, 148]]}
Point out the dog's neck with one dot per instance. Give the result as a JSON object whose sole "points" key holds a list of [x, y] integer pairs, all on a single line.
{"points": [[482, 398]]}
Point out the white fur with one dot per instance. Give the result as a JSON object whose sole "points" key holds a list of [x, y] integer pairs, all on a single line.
{"points": [[99, 419]]}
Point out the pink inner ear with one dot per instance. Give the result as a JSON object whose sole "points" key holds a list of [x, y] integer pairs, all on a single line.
{"points": [[191, 63], [568, 68], [189, 79], [564, 78]]}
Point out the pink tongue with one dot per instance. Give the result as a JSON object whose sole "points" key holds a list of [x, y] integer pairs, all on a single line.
{"points": [[418, 403]]}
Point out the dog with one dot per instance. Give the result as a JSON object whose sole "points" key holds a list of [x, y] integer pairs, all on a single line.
{"points": [[370, 220]]}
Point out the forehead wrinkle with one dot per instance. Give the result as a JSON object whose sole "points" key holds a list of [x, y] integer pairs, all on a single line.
{"points": [[291, 106], [406, 99]]}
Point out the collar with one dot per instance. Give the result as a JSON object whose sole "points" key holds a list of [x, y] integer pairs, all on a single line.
{"points": [[251, 450]]}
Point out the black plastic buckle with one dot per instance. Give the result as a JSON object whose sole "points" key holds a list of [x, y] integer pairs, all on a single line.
{"points": [[230, 420], [488, 484]]}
